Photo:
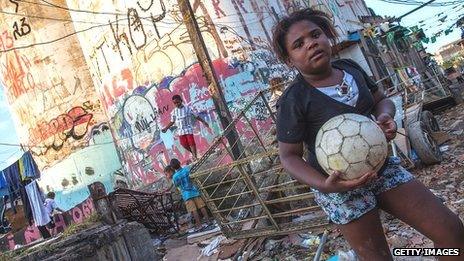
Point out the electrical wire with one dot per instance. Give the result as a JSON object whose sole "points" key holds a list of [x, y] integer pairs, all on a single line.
{"points": [[73, 10], [106, 24], [54, 40], [414, 2], [48, 18]]}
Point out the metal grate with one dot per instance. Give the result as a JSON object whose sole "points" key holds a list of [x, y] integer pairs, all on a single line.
{"points": [[250, 194], [156, 211]]}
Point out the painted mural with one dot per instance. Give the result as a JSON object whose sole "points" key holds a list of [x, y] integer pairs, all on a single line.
{"points": [[56, 110], [143, 56]]}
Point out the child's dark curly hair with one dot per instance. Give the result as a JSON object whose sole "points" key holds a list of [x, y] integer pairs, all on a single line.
{"points": [[281, 28]]}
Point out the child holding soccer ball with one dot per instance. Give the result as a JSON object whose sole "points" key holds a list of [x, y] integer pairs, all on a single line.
{"points": [[324, 89]]}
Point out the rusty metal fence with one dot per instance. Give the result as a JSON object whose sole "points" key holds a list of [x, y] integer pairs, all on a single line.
{"points": [[251, 194]]}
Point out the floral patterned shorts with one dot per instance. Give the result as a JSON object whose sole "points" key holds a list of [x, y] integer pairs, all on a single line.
{"points": [[345, 207]]}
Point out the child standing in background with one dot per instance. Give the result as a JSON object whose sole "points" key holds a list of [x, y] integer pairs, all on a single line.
{"points": [[190, 194]]}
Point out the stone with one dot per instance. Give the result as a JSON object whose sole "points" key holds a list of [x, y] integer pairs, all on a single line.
{"points": [[137, 240], [123, 241], [397, 241]]}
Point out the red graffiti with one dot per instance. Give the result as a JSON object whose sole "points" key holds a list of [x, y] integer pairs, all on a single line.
{"points": [[147, 167], [6, 40], [77, 215], [119, 86], [62, 128], [60, 224], [15, 69]]}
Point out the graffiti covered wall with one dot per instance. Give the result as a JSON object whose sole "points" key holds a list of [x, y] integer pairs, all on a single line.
{"points": [[144, 56], [57, 113]]}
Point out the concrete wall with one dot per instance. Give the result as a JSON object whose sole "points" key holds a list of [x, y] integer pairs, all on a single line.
{"points": [[133, 56], [145, 56], [53, 100]]}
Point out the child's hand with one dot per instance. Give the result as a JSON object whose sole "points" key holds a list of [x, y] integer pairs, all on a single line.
{"points": [[335, 184]]}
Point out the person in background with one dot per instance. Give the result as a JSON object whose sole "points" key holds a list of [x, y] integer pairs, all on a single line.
{"points": [[183, 117], [190, 194], [50, 207]]}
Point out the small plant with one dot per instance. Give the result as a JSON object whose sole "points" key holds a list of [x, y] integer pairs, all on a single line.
{"points": [[86, 223], [6, 256]]}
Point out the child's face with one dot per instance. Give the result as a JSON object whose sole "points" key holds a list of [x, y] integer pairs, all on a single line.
{"points": [[308, 47]]}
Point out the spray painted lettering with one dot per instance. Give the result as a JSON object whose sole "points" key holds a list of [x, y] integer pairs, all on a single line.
{"points": [[73, 124]]}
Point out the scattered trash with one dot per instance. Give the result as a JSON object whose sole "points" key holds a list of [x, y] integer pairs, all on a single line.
{"points": [[444, 148], [344, 256], [156, 242], [310, 241], [210, 249]]}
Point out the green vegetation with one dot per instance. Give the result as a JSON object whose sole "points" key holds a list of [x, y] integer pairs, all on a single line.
{"points": [[87, 223]]}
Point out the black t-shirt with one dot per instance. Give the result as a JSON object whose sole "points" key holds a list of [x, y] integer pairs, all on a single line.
{"points": [[303, 109]]}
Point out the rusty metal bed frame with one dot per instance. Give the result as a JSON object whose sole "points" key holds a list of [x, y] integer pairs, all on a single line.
{"points": [[156, 211], [253, 195]]}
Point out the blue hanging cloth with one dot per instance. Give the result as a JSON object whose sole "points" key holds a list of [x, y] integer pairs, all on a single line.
{"points": [[13, 180], [3, 183], [30, 167]]}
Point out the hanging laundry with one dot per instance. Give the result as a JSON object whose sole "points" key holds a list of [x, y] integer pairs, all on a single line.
{"points": [[21, 168], [36, 201], [25, 200], [12, 176], [14, 183], [3, 183], [30, 169]]}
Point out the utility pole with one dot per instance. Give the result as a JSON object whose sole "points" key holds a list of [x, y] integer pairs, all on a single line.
{"points": [[211, 78]]}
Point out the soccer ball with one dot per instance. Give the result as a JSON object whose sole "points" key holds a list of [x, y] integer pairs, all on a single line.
{"points": [[352, 144]]}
